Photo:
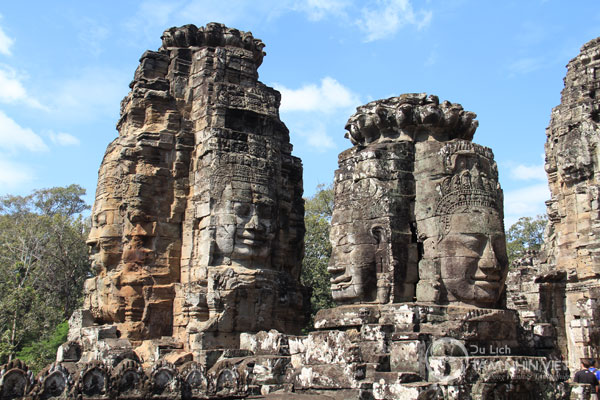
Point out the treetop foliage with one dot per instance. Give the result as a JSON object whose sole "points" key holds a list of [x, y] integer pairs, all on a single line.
{"points": [[524, 235], [321, 204], [66, 201]]}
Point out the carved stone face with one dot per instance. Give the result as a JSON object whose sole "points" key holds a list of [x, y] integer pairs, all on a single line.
{"points": [[105, 238], [473, 258], [245, 232], [353, 263]]}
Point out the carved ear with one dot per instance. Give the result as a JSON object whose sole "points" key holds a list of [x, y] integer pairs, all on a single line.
{"points": [[378, 233]]}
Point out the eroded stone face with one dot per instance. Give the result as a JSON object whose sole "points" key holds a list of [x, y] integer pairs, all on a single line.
{"points": [[473, 261], [245, 230], [353, 263], [374, 252], [105, 238]]}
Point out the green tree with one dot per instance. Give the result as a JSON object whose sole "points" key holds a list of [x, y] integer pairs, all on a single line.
{"points": [[317, 248], [43, 265], [39, 354], [525, 234]]}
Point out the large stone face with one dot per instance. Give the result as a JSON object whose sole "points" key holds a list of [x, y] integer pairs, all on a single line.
{"points": [[373, 252], [418, 208], [198, 219], [460, 223]]}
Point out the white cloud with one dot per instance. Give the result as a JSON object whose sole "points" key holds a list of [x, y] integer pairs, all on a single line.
{"points": [[319, 9], [525, 202], [5, 42], [525, 65], [92, 34], [236, 12], [63, 139], [389, 16], [379, 19], [13, 137], [13, 91], [327, 97], [152, 12], [523, 172], [316, 137], [161, 13], [14, 174], [95, 93]]}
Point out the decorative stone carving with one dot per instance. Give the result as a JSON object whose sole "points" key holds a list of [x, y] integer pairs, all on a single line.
{"points": [[463, 231], [195, 381], [93, 379], [53, 382], [410, 117], [418, 209], [165, 379], [128, 378], [15, 380]]}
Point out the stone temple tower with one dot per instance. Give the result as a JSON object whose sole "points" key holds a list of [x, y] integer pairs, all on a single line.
{"points": [[198, 220], [573, 168], [558, 293]]}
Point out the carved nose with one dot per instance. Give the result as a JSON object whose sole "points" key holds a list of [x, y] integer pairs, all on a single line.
{"points": [[92, 245], [488, 259], [254, 223], [332, 268]]}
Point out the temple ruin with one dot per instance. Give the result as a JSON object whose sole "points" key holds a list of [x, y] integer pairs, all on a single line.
{"points": [[197, 244]]}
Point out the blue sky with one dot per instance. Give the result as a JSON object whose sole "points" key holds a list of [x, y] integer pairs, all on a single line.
{"points": [[65, 66]]}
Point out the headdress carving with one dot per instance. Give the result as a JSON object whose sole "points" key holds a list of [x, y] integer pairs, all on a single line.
{"points": [[473, 181]]}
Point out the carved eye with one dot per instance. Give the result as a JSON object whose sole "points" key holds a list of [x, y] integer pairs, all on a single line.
{"points": [[263, 211], [108, 245], [241, 209], [343, 241], [101, 219], [344, 244], [464, 244], [474, 242]]}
